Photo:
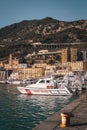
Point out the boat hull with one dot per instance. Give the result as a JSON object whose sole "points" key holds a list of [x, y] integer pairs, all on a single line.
{"points": [[38, 91]]}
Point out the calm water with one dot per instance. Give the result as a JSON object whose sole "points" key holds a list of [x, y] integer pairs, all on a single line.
{"points": [[22, 112]]}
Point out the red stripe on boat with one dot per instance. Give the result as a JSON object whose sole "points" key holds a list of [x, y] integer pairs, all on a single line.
{"points": [[28, 91]]}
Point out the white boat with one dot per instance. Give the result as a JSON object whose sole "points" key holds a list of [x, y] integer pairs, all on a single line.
{"points": [[14, 82], [73, 82], [3, 82], [45, 86]]}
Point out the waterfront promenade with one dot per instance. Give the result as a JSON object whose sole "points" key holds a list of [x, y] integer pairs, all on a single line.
{"points": [[78, 108]]}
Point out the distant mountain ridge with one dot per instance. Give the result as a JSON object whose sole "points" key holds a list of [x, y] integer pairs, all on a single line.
{"points": [[46, 30], [17, 38]]}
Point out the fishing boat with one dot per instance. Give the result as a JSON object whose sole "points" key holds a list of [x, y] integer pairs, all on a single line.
{"points": [[45, 86]]}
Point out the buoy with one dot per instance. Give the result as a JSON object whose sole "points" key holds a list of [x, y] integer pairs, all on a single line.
{"points": [[65, 120]]}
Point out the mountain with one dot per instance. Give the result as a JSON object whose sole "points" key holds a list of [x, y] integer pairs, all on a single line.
{"points": [[47, 30]]}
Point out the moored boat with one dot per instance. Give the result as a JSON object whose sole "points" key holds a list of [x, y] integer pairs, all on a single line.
{"points": [[14, 82], [45, 86]]}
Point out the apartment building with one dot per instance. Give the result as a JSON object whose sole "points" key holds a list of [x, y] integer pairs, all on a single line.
{"points": [[68, 55], [76, 66], [73, 54], [64, 55], [79, 66], [28, 73]]}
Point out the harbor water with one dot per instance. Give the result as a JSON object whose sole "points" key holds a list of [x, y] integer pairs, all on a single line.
{"points": [[24, 112]]}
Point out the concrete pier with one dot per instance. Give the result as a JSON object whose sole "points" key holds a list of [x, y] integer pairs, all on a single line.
{"points": [[78, 120]]}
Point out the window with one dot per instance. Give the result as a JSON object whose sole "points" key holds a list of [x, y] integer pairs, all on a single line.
{"points": [[48, 81], [42, 81]]}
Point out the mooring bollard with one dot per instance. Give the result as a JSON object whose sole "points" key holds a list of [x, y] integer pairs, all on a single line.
{"points": [[65, 119]]}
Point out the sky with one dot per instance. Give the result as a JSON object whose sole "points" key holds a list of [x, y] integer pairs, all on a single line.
{"points": [[15, 11]]}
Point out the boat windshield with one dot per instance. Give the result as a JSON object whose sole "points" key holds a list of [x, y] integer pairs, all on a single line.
{"points": [[44, 81]]}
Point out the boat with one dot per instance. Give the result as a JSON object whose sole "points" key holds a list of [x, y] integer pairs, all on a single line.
{"points": [[45, 86], [3, 81], [74, 82], [14, 82]]}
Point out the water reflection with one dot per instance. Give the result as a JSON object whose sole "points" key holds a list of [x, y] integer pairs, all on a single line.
{"points": [[23, 112], [46, 104]]}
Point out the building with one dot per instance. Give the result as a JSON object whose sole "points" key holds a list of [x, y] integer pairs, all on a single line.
{"points": [[73, 54], [79, 66], [64, 55], [84, 55], [76, 66], [63, 72], [12, 63], [29, 73], [68, 55], [42, 65]]}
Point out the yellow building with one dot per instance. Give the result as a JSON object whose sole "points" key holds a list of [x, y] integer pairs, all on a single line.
{"points": [[76, 66], [12, 63], [68, 55], [79, 66], [28, 73], [73, 54], [43, 65], [64, 55]]}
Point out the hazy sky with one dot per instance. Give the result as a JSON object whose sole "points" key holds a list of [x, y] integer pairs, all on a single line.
{"points": [[14, 11]]}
